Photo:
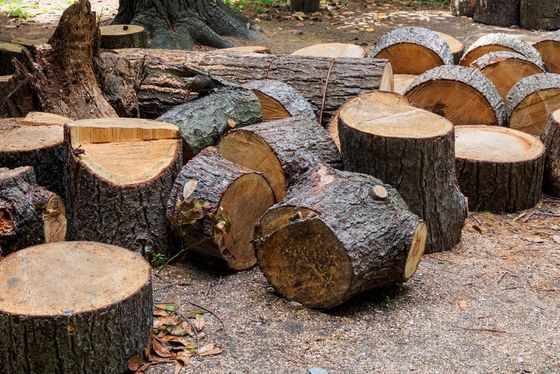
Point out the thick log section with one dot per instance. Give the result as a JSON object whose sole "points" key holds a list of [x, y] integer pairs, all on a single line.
{"points": [[551, 140], [455, 45], [332, 50], [503, 13], [549, 48], [540, 14], [122, 36]]}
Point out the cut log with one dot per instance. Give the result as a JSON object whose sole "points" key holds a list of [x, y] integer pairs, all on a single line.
{"points": [[540, 14], [455, 45], [248, 49], [412, 150], [463, 7], [549, 48], [462, 95], [503, 13], [119, 174], [38, 118], [413, 50], [28, 143], [403, 81], [505, 69], [270, 147], [500, 42], [332, 50], [214, 206], [498, 169], [551, 140], [9, 51], [205, 120], [531, 101], [279, 100], [337, 234], [29, 214], [122, 36], [73, 307]]}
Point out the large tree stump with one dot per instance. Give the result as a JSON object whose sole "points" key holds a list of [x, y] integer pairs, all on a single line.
{"points": [[551, 140], [413, 50], [29, 214], [498, 169], [540, 14], [463, 7], [122, 36], [455, 45], [531, 101], [42, 118], [9, 51], [462, 95], [73, 307], [549, 48], [332, 50], [337, 234], [412, 150], [119, 175], [497, 12], [270, 147], [214, 206]]}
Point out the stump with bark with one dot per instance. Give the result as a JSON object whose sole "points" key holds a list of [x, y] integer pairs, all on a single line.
{"points": [[337, 234], [540, 14], [332, 50], [462, 95], [551, 140], [455, 45], [549, 48], [9, 51], [498, 169], [214, 206], [463, 7], [73, 307], [122, 36], [29, 214], [503, 13], [412, 150], [531, 101], [119, 175]]}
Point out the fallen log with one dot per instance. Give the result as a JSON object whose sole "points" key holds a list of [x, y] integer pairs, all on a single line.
{"points": [[9, 51], [247, 49], [455, 45], [540, 14], [498, 169], [463, 7], [549, 48], [503, 13], [122, 36], [337, 234], [332, 50], [551, 140], [89, 313], [214, 206], [412, 150]]}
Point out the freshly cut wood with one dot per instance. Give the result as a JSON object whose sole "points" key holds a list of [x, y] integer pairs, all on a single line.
{"points": [[9, 51], [203, 121], [455, 45], [270, 147], [498, 169], [413, 50], [73, 307], [214, 206], [332, 50], [549, 48], [39, 118], [500, 42], [36, 144], [119, 174], [497, 12], [279, 100], [122, 36], [248, 49], [403, 81], [551, 140], [531, 101], [462, 95], [337, 234], [505, 69], [412, 150], [29, 214], [540, 14], [463, 7]]}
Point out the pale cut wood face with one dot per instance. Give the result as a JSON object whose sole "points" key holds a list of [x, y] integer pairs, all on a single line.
{"points": [[409, 58], [332, 50], [416, 251], [118, 30], [531, 115], [18, 136], [41, 118], [402, 82], [550, 53], [506, 73], [10, 47], [454, 44], [271, 109]]}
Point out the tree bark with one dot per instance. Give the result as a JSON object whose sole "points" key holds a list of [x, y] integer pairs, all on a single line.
{"points": [[122, 36], [551, 140], [455, 45], [549, 48], [540, 14], [503, 13], [463, 7], [305, 6]]}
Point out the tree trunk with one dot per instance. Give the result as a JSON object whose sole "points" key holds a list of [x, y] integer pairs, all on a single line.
{"points": [[122, 36], [463, 7], [549, 48], [332, 50], [9, 51], [337, 234], [540, 14], [503, 13], [551, 140], [73, 307], [305, 6], [214, 206]]}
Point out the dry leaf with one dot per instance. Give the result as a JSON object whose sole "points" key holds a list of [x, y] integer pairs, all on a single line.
{"points": [[178, 367], [477, 228], [370, 29], [199, 323], [556, 238], [463, 304], [184, 357], [209, 350], [135, 362], [161, 349]]}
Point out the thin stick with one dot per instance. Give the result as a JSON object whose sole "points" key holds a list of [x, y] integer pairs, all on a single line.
{"points": [[178, 254], [211, 312]]}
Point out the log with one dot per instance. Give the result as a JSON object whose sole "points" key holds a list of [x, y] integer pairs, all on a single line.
{"points": [[505, 69], [463, 7], [531, 101], [29, 214], [42, 118], [337, 234], [214, 206], [551, 140], [402, 82], [122, 36], [332, 50], [549, 48], [462, 95], [540, 14], [413, 50], [503, 13], [73, 307], [500, 42], [119, 174], [247, 49], [498, 169], [9, 51], [205, 120], [455, 45], [270, 147], [279, 100], [412, 150]]}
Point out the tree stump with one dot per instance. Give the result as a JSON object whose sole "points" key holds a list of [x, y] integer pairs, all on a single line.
{"points": [[248, 49], [332, 50], [73, 307], [463, 7], [42, 118], [9, 51], [119, 174], [462, 95], [279, 100], [503, 13], [270, 147], [540, 14], [337, 234], [549, 48], [531, 101], [122, 36], [402, 82], [551, 140], [214, 206], [498, 169], [29, 214], [505, 69], [413, 50], [455, 45], [412, 150]]}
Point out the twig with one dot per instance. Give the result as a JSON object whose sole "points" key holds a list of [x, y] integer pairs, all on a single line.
{"points": [[503, 276], [477, 220], [193, 327], [211, 312], [481, 329]]}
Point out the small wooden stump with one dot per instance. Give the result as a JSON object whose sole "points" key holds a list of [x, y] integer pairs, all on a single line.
{"points": [[9, 51], [551, 139], [73, 307], [549, 48], [403, 81], [540, 14], [248, 49], [499, 170], [119, 175], [531, 101], [503, 13], [412, 150], [122, 36], [455, 45], [332, 50]]}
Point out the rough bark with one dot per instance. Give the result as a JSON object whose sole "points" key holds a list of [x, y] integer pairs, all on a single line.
{"points": [[9, 51], [551, 140], [463, 7], [540, 14], [122, 36], [332, 50], [549, 48], [45, 330], [503, 13], [455, 45], [337, 234], [305, 6]]}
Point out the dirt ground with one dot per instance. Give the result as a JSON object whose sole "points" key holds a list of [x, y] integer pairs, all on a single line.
{"points": [[491, 305]]}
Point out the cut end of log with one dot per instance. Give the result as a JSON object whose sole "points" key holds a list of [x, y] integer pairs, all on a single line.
{"points": [[416, 251], [332, 50], [549, 48], [379, 192], [6, 222], [122, 36], [455, 45], [18, 135], [41, 118], [54, 217]]}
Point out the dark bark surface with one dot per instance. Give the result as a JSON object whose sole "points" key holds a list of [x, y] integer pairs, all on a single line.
{"points": [[8, 51], [540, 14], [463, 7], [497, 12], [551, 140], [306, 6]]}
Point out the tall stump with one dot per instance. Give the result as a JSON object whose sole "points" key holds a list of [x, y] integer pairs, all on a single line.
{"points": [[551, 140]]}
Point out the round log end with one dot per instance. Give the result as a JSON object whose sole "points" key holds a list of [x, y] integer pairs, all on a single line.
{"points": [[416, 251], [17, 135], [550, 52]]}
